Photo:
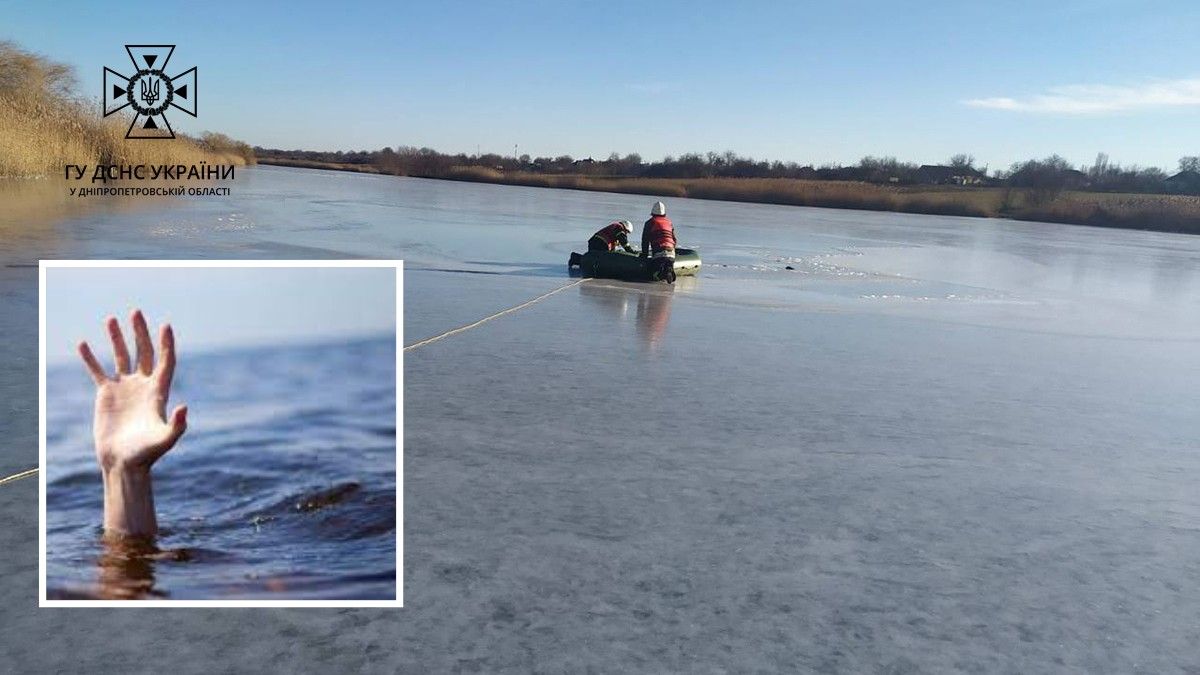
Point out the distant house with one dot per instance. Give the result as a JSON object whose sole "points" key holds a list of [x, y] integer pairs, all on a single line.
{"points": [[1075, 179], [936, 174], [1043, 176], [1183, 183], [587, 160]]}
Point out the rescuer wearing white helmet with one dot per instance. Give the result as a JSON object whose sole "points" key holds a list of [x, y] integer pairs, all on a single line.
{"points": [[658, 242], [611, 236]]}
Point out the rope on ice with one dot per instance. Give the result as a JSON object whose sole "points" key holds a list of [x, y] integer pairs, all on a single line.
{"points": [[485, 319]]}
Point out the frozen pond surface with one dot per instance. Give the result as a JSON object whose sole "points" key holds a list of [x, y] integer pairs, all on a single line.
{"points": [[935, 444]]}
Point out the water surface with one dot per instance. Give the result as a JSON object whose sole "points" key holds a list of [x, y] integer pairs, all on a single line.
{"points": [[283, 487]]}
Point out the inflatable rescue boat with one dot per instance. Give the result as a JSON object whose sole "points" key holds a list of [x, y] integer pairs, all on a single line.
{"points": [[630, 266]]}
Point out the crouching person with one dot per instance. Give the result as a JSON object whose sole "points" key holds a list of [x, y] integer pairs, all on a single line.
{"points": [[607, 239], [612, 236], [658, 242]]}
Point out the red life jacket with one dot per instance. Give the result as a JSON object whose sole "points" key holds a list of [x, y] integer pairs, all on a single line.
{"points": [[659, 233], [611, 235]]}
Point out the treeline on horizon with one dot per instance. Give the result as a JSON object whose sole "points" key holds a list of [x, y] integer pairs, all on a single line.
{"points": [[1051, 173], [47, 124]]}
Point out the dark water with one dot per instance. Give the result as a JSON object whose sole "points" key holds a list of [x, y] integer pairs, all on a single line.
{"points": [[283, 487]]}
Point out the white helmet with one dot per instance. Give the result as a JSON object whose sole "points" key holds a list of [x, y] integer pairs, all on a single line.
{"points": [[625, 225], [659, 209]]}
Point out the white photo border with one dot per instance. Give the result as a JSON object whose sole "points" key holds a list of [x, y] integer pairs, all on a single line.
{"points": [[397, 265]]}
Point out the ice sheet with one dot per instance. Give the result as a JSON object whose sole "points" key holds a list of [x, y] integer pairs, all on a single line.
{"points": [[935, 444]]}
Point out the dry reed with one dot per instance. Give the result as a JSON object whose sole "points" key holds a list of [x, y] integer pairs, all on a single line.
{"points": [[46, 127], [1172, 213]]}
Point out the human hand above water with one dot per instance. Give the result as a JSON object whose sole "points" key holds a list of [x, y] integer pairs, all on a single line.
{"points": [[130, 427]]}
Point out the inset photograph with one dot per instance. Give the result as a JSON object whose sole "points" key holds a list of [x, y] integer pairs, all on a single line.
{"points": [[221, 433]]}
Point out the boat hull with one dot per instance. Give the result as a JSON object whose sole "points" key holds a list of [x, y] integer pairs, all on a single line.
{"points": [[631, 266]]}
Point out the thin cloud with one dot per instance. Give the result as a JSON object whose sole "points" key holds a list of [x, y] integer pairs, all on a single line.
{"points": [[1084, 99]]}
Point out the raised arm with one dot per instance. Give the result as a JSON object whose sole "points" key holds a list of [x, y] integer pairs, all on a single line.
{"points": [[623, 240], [130, 428]]}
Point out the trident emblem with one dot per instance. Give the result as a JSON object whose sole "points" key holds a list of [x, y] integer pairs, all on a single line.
{"points": [[150, 91]]}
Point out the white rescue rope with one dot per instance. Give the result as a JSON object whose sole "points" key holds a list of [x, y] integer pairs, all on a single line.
{"points": [[485, 319], [18, 476]]}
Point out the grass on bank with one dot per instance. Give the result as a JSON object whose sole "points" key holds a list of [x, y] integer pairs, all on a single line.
{"points": [[1164, 213], [327, 166], [47, 126], [1168, 213]]}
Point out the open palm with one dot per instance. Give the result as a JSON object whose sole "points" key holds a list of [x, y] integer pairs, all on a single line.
{"points": [[131, 427]]}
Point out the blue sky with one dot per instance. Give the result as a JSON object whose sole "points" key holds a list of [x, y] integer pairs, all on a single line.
{"points": [[214, 308], [807, 81]]}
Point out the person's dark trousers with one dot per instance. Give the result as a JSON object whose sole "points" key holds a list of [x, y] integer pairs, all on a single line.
{"points": [[662, 269]]}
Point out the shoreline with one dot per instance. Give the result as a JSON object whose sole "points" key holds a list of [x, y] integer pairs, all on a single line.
{"points": [[1155, 213], [326, 166]]}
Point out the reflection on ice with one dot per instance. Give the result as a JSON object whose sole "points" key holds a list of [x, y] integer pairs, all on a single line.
{"points": [[653, 313], [650, 304]]}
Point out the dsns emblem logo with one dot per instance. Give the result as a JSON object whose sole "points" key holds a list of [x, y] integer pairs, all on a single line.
{"points": [[149, 91]]}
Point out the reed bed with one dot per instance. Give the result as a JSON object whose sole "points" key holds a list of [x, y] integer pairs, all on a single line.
{"points": [[47, 127], [1171, 213]]}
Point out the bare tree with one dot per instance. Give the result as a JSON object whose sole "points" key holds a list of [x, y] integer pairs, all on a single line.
{"points": [[1100, 169], [962, 161]]}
